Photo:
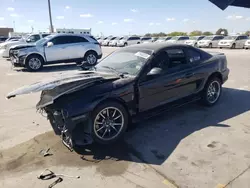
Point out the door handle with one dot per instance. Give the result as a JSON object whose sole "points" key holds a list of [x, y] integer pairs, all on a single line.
{"points": [[188, 75]]}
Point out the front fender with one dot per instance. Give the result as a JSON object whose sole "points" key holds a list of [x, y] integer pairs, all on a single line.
{"points": [[35, 53]]}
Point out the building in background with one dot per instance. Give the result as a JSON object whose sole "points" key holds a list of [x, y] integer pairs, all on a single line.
{"points": [[5, 31], [86, 31]]}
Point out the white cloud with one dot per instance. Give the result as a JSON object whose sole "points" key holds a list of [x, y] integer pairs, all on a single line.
{"points": [[30, 21], [10, 9], [60, 17], [234, 17], [134, 10], [151, 24], [86, 15], [114, 23], [157, 23], [128, 20], [170, 19], [185, 20], [14, 15], [100, 22], [67, 7], [1, 18]]}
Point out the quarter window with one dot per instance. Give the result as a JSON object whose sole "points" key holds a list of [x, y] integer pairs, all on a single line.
{"points": [[193, 56]]}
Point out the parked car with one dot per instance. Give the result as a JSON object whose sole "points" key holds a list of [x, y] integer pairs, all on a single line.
{"points": [[115, 41], [100, 40], [13, 39], [247, 44], [108, 40], [58, 48], [131, 40], [146, 40], [3, 39], [131, 84], [32, 38], [163, 39], [210, 41], [194, 40], [178, 40], [154, 39], [235, 41]]}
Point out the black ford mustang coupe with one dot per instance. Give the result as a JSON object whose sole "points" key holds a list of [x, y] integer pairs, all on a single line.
{"points": [[131, 83]]}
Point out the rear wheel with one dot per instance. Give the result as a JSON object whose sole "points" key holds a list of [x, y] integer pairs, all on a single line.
{"points": [[34, 63], [126, 44], [212, 91], [233, 46], [109, 122], [91, 58]]}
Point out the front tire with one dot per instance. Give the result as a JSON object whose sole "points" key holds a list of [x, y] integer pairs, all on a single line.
{"points": [[233, 46], [210, 45], [211, 92], [34, 63], [109, 122], [91, 58]]}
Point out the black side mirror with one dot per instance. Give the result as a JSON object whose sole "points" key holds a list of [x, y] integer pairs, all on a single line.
{"points": [[155, 72]]}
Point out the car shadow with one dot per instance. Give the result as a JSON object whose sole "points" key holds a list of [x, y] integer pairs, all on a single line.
{"points": [[154, 140]]}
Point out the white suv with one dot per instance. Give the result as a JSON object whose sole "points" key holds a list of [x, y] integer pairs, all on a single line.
{"points": [[29, 39], [58, 48], [126, 41]]}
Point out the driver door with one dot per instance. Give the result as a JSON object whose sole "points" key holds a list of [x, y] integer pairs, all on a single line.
{"points": [[59, 50], [172, 84]]}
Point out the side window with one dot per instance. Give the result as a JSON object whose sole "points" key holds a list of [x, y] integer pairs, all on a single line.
{"points": [[244, 37], [33, 38], [136, 38], [186, 38], [45, 35], [59, 40], [76, 39], [193, 56], [130, 38], [215, 38], [176, 58], [181, 38], [221, 37]]}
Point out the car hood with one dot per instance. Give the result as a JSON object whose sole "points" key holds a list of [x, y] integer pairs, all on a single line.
{"points": [[65, 84], [19, 46]]}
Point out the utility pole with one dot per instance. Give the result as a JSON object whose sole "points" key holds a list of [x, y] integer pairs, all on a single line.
{"points": [[50, 18]]}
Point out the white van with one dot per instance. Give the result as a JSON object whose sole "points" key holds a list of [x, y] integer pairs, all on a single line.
{"points": [[126, 41]]}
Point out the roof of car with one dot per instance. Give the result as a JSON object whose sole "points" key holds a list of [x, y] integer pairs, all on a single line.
{"points": [[154, 46]]}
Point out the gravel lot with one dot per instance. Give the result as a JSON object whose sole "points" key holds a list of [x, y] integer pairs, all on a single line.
{"points": [[192, 146]]}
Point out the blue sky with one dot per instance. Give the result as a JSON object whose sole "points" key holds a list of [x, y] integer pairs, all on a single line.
{"points": [[123, 17]]}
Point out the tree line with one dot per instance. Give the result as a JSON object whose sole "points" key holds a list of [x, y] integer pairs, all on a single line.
{"points": [[220, 31]]}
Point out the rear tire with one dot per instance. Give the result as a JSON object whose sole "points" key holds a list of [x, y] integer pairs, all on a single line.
{"points": [[211, 92], [34, 63], [91, 58], [109, 122], [125, 44]]}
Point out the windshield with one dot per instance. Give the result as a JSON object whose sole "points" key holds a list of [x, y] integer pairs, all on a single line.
{"points": [[208, 38], [193, 38], [146, 38], [43, 40], [230, 38], [125, 62]]}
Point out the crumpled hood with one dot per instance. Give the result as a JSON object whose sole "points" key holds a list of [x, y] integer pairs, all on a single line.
{"points": [[20, 46], [65, 84]]}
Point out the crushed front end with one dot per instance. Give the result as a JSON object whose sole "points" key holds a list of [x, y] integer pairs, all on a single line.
{"points": [[73, 130]]}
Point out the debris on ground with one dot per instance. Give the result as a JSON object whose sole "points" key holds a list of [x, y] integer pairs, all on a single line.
{"points": [[45, 152], [59, 180]]}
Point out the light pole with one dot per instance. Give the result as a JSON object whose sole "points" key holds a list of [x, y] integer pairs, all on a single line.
{"points": [[50, 18]]}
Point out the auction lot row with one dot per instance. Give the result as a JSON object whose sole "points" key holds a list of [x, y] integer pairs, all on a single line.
{"points": [[192, 146]]}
